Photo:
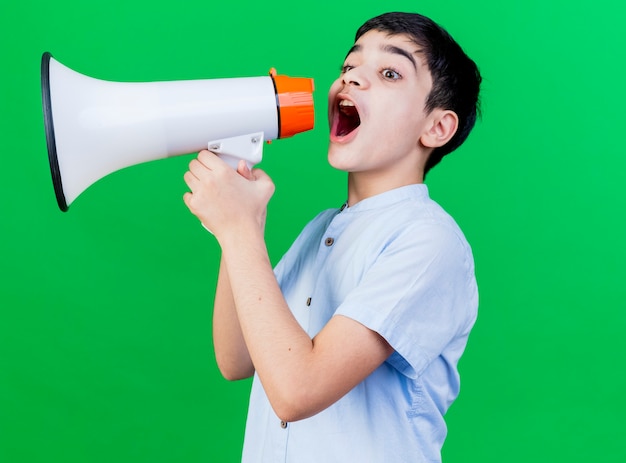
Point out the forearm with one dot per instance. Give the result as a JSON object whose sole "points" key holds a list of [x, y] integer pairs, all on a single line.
{"points": [[231, 352], [279, 348]]}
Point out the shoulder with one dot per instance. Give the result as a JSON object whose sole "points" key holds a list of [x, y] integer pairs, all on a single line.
{"points": [[414, 220], [316, 226], [305, 244]]}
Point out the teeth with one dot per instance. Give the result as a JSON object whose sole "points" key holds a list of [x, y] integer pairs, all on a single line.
{"points": [[346, 103]]}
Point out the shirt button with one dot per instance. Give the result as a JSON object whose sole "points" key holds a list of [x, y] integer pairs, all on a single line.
{"points": [[283, 424], [308, 302], [329, 241]]}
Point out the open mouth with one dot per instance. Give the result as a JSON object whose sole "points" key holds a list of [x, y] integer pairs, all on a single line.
{"points": [[347, 118]]}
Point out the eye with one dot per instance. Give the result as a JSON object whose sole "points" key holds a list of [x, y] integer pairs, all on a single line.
{"points": [[345, 68], [391, 74]]}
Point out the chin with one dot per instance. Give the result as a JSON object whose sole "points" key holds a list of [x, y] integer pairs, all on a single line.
{"points": [[341, 157]]}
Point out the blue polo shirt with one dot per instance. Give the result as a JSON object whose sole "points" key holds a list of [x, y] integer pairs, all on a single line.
{"points": [[398, 264]]}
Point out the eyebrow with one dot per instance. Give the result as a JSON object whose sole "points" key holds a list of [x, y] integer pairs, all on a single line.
{"points": [[388, 49], [400, 51]]}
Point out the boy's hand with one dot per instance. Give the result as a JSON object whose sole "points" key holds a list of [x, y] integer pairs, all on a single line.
{"points": [[227, 201]]}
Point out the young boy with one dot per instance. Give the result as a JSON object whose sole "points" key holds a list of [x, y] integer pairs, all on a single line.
{"points": [[355, 336]]}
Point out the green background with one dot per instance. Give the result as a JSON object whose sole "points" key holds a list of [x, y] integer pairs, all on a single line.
{"points": [[105, 311]]}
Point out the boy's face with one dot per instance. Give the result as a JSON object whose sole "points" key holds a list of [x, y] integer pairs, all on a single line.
{"points": [[376, 106]]}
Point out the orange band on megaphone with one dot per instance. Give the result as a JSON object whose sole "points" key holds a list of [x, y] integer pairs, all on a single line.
{"points": [[294, 97]]}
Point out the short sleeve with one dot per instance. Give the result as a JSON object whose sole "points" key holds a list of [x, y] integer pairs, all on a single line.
{"points": [[419, 294]]}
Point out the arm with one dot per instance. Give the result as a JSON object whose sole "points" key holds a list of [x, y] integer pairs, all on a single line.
{"points": [[300, 375], [231, 352]]}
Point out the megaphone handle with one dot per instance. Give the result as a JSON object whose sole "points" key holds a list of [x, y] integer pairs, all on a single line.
{"points": [[247, 147]]}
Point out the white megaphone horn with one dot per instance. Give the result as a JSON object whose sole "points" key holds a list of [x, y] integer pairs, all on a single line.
{"points": [[95, 127]]}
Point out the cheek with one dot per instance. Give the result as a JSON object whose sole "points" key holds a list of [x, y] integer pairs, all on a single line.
{"points": [[334, 89], [332, 93], [396, 136], [405, 119]]}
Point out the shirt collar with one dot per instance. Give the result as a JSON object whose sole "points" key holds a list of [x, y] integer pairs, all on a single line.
{"points": [[389, 198]]}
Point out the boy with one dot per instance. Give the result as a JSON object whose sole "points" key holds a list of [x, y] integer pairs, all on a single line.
{"points": [[355, 336]]}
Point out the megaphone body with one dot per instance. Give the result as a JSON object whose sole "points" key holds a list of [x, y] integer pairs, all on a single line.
{"points": [[95, 127]]}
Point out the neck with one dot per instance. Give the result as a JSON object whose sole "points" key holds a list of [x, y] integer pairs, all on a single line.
{"points": [[363, 185]]}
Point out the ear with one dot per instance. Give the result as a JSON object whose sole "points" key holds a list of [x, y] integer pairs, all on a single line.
{"points": [[443, 125]]}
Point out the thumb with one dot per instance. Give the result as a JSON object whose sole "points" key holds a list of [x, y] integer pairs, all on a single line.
{"points": [[264, 181], [260, 175], [244, 170]]}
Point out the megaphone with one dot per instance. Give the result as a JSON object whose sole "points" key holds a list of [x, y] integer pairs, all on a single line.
{"points": [[95, 127]]}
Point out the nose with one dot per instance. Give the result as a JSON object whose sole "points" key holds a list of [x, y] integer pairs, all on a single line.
{"points": [[353, 78]]}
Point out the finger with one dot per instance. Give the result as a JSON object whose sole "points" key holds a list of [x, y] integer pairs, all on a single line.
{"points": [[192, 203], [187, 199], [191, 180], [244, 170], [209, 159], [200, 170]]}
